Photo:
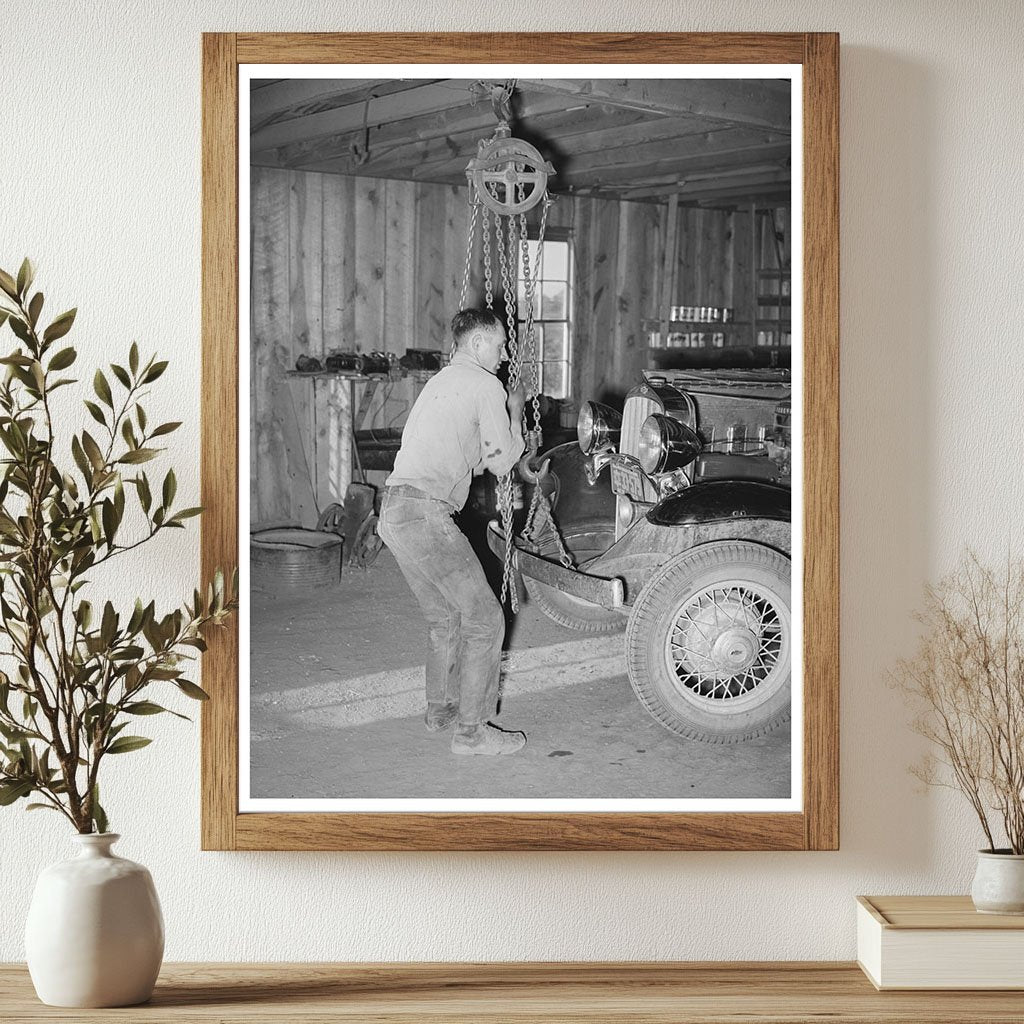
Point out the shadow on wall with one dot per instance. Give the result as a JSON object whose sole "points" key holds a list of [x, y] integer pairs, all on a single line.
{"points": [[888, 393]]}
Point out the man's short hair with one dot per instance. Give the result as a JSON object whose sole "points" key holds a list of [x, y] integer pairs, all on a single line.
{"points": [[468, 320]]}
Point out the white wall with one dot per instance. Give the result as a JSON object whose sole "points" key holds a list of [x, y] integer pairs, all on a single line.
{"points": [[99, 182]]}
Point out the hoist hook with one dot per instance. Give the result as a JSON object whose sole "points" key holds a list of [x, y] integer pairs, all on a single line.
{"points": [[530, 472], [362, 153], [500, 95], [501, 101]]}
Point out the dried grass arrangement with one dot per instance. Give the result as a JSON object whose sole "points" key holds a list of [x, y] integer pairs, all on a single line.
{"points": [[967, 683]]}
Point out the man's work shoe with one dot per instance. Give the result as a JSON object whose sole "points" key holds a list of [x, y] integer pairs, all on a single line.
{"points": [[440, 716], [487, 740]]}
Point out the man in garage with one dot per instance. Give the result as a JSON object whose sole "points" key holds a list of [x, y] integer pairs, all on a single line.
{"points": [[463, 423]]}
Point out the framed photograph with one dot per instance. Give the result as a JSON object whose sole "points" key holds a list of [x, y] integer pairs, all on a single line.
{"points": [[520, 420]]}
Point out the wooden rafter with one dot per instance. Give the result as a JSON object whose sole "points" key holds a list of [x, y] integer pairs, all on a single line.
{"points": [[317, 96], [758, 103], [639, 139], [638, 171], [628, 163], [408, 103], [413, 141], [758, 174], [723, 147]]}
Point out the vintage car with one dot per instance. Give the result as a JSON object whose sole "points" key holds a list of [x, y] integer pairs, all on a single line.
{"points": [[676, 517]]}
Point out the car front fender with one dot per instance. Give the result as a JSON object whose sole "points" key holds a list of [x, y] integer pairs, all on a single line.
{"points": [[715, 501]]}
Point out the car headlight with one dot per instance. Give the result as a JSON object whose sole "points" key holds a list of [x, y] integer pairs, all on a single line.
{"points": [[625, 513], [597, 427], [666, 444]]}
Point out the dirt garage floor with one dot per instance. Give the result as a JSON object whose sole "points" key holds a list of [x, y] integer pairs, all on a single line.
{"points": [[337, 701]]}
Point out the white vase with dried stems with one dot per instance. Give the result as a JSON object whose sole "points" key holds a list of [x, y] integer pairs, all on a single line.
{"points": [[966, 682]]}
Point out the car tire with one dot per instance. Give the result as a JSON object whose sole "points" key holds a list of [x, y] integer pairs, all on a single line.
{"points": [[583, 541], [708, 642]]}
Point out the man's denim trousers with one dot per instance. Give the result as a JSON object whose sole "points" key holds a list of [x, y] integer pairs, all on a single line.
{"points": [[466, 624]]}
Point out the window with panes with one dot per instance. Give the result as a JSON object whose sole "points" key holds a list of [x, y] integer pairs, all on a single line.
{"points": [[552, 315]]}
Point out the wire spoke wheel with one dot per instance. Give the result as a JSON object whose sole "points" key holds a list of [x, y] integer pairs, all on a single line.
{"points": [[726, 642], [708, 642]]}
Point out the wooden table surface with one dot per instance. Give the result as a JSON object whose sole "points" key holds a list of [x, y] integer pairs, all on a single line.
{"points": [[794, 993]]}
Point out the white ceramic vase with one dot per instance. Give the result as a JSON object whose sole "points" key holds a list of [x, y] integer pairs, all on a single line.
{"points": [[95, 934], [999, 882]]}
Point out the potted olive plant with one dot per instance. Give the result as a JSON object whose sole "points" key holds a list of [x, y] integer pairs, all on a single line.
{"points": [[967, 683], [78, 673]]}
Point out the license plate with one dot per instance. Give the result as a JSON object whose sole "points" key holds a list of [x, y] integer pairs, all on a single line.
{"points": [[627, 480]]}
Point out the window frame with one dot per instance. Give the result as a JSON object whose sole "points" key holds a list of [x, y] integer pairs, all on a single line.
{"points": [[560, 235]]}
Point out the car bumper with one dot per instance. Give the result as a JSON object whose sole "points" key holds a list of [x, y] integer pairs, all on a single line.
{"points": [[608, 593]]}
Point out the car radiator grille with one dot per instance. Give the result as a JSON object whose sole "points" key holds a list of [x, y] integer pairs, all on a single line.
{"points": [[636, 410]]}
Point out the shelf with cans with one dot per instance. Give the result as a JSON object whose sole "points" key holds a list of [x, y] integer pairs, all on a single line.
{"points": [[772, 323], [715, 327], [694, 327]]}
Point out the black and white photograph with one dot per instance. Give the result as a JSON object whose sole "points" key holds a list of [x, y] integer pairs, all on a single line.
{"points": [[523, 523]]}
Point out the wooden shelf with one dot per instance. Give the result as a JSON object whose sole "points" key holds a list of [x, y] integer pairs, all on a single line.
{"points": [[690, 324], [528, 993], [708, 347]]}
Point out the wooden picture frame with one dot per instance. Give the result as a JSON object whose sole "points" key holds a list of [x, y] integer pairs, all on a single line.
{"points": [[816, 826]]}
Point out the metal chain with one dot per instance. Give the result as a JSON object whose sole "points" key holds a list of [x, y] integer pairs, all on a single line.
{"points": [[505, 491], [537, 265], [505, 503], [532, 514], [521, 350], [488, 283], [507, 255], [563, 554], [530, 279], [529, 284], [540, 514], [475, 205]]}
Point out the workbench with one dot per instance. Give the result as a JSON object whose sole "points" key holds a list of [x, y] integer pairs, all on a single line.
{"points": [[328, 408], [565, 993]]}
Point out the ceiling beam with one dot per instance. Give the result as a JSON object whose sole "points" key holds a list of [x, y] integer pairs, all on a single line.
{"points": [[724, 144], [443, 135], [642, 172], [448, 154], [755, 103], [718, 149], [271, 101], [567, 143], [409, 103], [662, 176], [686, 130], [770, 198], [704, 187], [767, 172]]}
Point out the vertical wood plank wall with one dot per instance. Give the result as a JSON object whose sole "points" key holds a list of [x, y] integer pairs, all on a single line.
{"points": [[369, 264]]}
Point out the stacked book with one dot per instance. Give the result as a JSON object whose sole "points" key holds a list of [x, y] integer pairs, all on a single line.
{"points": [[938, 942]]}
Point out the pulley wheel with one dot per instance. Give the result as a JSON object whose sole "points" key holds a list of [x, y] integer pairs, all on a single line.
{"points": [[504, 165]]}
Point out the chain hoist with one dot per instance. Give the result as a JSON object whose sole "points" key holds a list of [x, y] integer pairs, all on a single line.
{"points": [[507, 178]]}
